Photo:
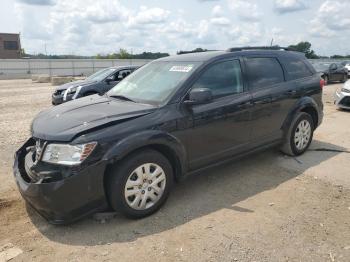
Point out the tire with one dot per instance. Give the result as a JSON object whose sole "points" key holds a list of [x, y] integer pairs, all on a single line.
{"points": [[299, 124], [129, 172]]}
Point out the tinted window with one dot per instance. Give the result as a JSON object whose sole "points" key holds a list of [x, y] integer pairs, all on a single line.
{"points": [[296, 68], [264, 72], [10, 45], [223, 78]]}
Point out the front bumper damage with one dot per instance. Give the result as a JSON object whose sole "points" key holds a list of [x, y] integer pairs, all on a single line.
{"points": [[60, 194]]}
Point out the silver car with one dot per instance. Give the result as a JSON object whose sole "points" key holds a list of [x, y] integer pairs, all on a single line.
{"points": [[342, 96]]}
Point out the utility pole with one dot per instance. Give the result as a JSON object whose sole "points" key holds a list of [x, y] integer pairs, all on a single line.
{"points": [[45, 49], [271, 42]]}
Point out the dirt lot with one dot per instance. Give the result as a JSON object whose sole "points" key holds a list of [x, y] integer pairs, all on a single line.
{"points": [[277, 209]]}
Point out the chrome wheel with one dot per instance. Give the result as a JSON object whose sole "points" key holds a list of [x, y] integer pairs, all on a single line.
{"points": [[302, 135], [145, 186]]}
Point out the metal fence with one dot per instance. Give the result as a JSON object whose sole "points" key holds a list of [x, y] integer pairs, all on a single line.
{"points": [[18, 68], [24, 68]]}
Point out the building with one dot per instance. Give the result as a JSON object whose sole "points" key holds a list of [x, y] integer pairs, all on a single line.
{"points": [[10, 46]]}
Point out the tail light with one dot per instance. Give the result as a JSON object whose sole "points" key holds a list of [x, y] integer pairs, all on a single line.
{"points": [[322, 83]]}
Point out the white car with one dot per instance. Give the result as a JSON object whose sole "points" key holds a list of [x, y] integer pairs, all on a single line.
{"points": [[342, 96], [347, 66]]}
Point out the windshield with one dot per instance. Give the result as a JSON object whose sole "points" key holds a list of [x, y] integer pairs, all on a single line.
{"points": [[321, 66], [100, 75], [155, 82]]}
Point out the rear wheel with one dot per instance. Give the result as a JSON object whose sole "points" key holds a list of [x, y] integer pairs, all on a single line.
{"points": [[299, 135], [140, 184]]}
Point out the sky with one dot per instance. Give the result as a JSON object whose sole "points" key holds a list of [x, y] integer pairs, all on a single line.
{"points": [[90, 27]]}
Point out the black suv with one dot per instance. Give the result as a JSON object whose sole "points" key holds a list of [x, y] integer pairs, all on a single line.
{"points": [[172, 117], [98, 83]]}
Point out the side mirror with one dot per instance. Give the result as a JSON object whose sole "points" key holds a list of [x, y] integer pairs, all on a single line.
{"points": [[199, 96]]}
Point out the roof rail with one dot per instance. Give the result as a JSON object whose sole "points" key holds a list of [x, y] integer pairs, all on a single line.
{"points": [[276, 47]]}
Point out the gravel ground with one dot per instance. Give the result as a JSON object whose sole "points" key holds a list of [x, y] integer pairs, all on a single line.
{"points": [[277, 209]]}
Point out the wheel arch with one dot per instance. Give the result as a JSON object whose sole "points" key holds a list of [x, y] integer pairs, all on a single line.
{"points": [[307, 105], [164, 143]]}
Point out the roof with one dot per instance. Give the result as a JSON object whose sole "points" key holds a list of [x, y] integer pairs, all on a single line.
{"points": [[206, 56], [12, 34]]}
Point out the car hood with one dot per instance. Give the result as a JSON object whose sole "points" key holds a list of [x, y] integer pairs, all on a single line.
{"points": [[66, 121], [74, 84]]}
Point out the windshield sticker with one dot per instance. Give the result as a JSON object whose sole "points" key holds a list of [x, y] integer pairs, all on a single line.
{"points": [[184, 69]]}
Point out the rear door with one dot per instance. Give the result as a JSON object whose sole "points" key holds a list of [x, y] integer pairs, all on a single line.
{"points": [[271, 96], [336, 72]]}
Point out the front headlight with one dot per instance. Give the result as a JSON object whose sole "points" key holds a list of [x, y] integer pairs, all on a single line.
{"points": [[65, 154], [345, 90]]}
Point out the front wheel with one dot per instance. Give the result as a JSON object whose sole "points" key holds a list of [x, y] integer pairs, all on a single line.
{"points": [[140, 184], [299, 135]]}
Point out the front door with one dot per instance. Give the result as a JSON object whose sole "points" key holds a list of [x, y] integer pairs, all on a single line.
{"points": [[221, 127]]}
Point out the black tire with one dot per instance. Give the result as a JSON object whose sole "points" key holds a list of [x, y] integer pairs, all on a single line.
{"points": [[289, 147], [117, 178]]}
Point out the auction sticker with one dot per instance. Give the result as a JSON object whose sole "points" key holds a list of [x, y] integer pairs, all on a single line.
{"points": [[184, 69]]}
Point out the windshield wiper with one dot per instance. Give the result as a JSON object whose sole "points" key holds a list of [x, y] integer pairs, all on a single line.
{"points": [[122, 98]]}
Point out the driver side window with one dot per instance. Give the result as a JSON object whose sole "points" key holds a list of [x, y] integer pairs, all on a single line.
{"points": [[223, 78]]}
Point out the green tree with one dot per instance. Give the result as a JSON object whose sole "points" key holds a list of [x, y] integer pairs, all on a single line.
{"points": [[304, 47], [123, 54]]}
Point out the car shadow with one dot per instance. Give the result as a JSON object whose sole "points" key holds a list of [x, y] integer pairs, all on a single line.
{"points": [[217, 188]]}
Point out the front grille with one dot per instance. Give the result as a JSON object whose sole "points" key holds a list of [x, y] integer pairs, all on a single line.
{"points": [[345, 101]]}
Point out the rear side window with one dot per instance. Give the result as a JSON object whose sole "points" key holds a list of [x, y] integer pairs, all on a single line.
{"points": [[264, 72], [223, 78], [296, 68]]}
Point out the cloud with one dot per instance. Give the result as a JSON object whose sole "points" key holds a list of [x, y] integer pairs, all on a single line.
{"points": [[217, 11], [37, 2], [332, 17], [288, 6], [220, 21], [245, 10], [147, 16]]}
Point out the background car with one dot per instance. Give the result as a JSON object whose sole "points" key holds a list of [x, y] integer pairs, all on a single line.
{"points": [[342, 96], [346, 64], [331, 72], [98, 83]]}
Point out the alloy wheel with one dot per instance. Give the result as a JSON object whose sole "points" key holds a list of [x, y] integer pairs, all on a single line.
{"points": [[302, 135]]}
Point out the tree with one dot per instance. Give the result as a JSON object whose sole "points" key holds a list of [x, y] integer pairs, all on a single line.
{"points": [[304, 47], [197, 50], [123, 54]]}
